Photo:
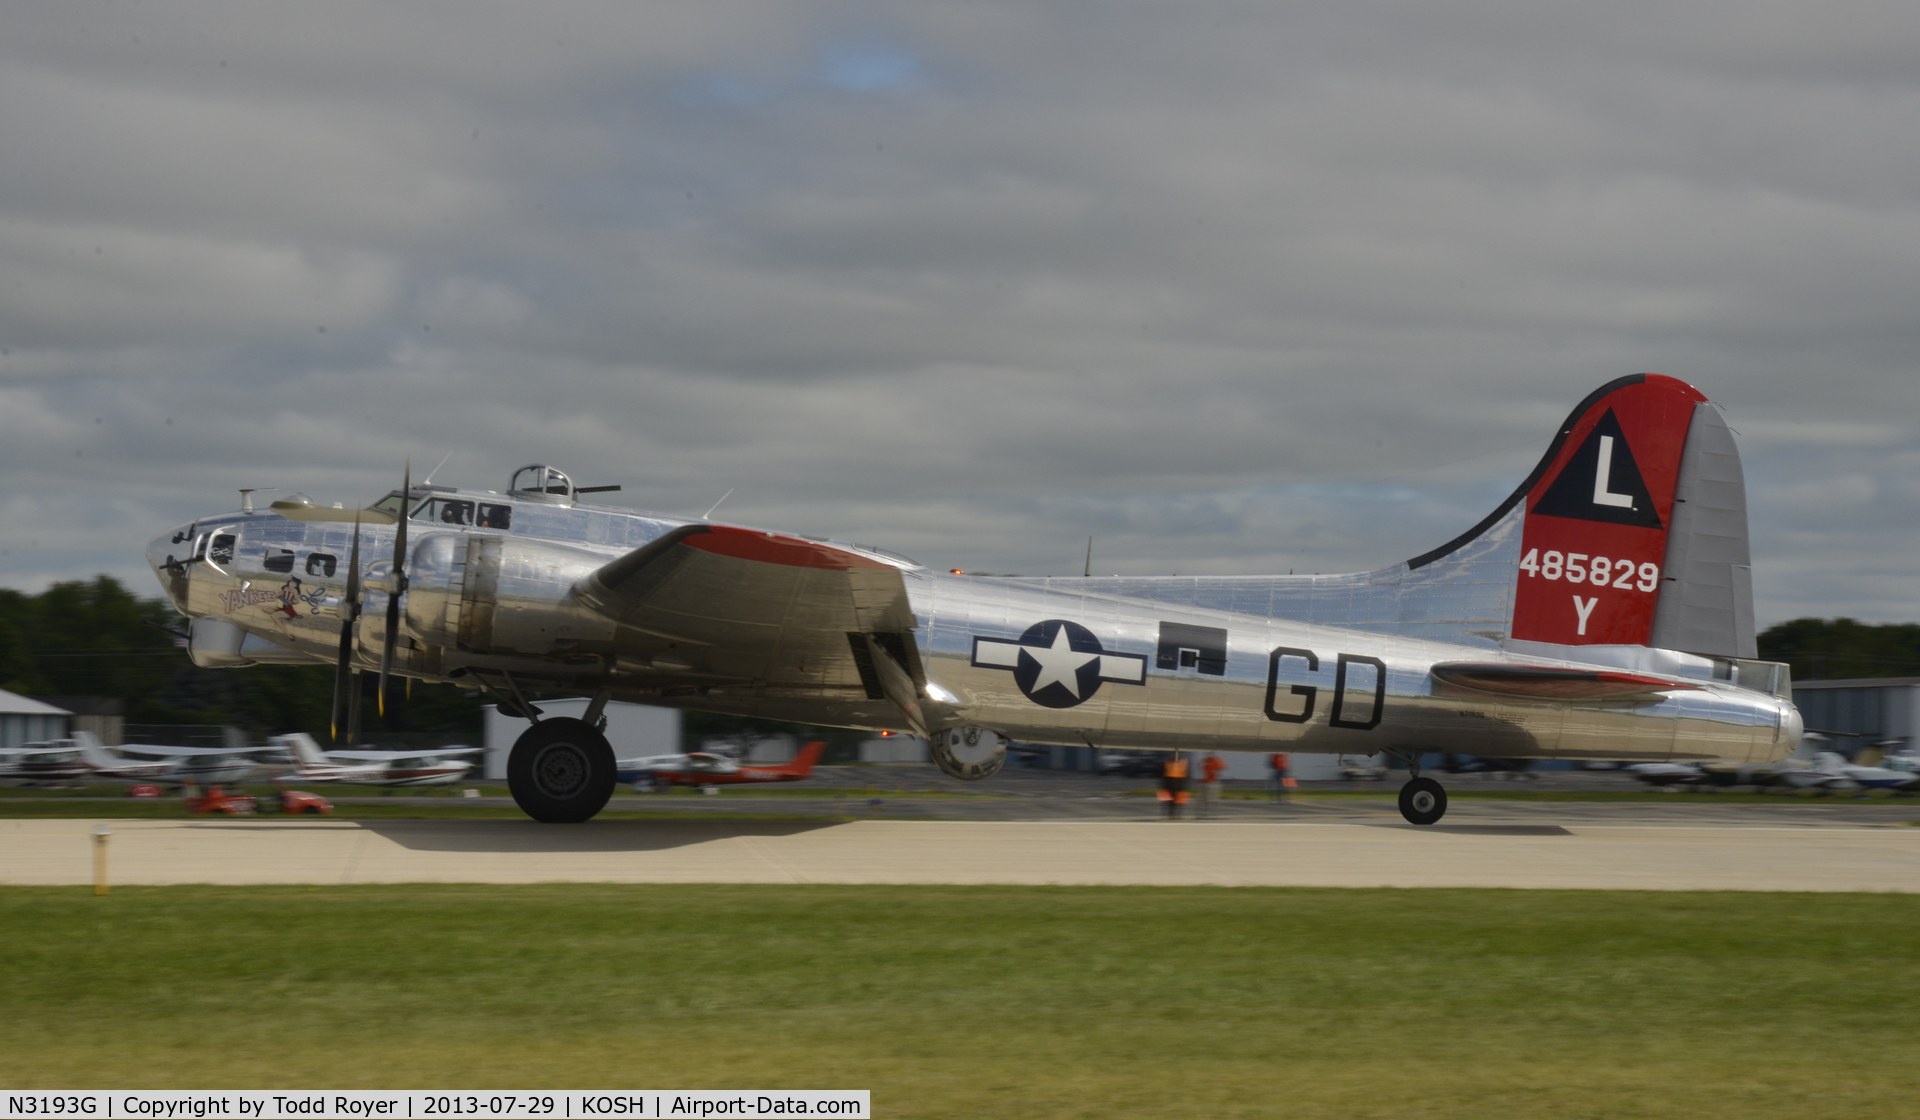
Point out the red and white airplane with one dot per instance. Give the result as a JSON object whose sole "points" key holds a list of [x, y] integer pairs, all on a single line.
{"points": [[702, 769], [311, 764]]}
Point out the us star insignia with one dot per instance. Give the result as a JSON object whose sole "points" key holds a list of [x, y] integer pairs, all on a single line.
{"points": [[1059, 664]]}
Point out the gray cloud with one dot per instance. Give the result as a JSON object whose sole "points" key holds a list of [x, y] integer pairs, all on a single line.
{"points": [[1227, 287]]}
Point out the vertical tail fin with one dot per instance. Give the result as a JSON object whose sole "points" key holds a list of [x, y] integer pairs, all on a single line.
{"points": [[803, 763], [1631, 529], [306, 753], [94, 752]]}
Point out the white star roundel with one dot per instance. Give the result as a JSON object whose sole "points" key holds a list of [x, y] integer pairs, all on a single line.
{"points": [[1059, 664]]}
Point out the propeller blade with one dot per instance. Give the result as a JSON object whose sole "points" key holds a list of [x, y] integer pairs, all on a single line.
{"points": [[349, 612], [397, 582], [353, 711]]}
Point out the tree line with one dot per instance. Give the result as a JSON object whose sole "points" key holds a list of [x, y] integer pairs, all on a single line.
{"points": [[96, 638]]}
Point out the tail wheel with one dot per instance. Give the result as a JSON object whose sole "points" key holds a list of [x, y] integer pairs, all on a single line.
{"points": [[1423, 801], [561, 771]]}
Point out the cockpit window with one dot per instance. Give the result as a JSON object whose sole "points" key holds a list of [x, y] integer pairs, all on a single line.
{"points": [[464, 511], [445, 511], [391, 504]]}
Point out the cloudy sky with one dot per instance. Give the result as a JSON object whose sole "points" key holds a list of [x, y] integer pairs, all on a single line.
{"points": [[1228, 287]]}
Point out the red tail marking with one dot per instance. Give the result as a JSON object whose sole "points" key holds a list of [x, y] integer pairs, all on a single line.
{"points": [[1588, 514], [802, 764]]}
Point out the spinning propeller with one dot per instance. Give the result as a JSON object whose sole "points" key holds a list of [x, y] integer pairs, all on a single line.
{"points": [[346, 684], [396, 583], [346, 691]]}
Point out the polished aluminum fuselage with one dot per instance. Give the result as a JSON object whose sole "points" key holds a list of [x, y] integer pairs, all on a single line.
{"points": [[1337, 664]]}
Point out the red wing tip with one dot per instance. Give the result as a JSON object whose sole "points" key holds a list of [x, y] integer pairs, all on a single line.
{"points": [[773, 548]]}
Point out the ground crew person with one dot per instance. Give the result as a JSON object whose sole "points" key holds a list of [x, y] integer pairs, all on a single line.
{"points": [[1210, 784], [1281, 783], [1173, 785]]}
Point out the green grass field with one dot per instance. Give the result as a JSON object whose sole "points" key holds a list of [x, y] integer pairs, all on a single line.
{"points": [[992, 1001]]}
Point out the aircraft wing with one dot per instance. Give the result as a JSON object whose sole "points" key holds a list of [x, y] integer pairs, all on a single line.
{"points": [[722, 603], [389, 756], [1546, 682]]}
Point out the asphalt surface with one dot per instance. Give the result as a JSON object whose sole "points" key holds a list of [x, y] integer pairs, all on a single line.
{"points": [[1563, 854], [1034, 828], [901, 793]]}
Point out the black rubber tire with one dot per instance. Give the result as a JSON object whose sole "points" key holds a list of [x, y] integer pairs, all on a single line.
{"points": [[561, 771], [1423, 801]]}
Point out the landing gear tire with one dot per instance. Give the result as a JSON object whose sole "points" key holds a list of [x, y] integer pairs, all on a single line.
{"points": [[561, 771], [1423, 801]]}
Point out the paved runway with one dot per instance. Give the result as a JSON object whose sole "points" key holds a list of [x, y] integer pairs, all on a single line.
{"points": [[1543, 850]]}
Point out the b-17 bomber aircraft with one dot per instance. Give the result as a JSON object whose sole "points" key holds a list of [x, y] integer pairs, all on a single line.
{"points": [[1603, 610]]}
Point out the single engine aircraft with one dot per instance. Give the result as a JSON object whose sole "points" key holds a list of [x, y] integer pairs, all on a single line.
{"points": [[396, 768], [167, 765], [698, 768], [1604, 610], [83, 758]]}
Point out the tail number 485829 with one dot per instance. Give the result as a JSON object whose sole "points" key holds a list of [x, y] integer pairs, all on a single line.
{"points": [[1600, 571]]}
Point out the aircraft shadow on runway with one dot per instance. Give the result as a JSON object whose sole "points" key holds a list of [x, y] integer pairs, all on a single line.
{"points": [[592, 836], [1477, 829]]}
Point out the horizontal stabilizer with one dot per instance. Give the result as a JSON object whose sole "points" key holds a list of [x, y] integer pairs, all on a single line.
{"points": [[1541, 682]]}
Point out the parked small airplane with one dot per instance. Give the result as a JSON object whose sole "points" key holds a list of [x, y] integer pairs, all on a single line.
{"points": [[311, 764], [698, 768], [1603, 611], [82, 758], [1667, 773], [171, 766], [1866, 777], [59, 762]]}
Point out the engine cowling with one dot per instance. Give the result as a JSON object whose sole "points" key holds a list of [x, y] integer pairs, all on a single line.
{"points": [[483, 593], [968, 753]]}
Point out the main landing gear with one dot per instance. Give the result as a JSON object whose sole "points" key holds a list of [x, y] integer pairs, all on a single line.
{"points": [[1422, 800], [561, 771]]}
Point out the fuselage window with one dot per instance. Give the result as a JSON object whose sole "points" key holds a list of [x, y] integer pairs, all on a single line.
{"points": [[321, 563], [495, 516], [279, 560], [221, 550]]}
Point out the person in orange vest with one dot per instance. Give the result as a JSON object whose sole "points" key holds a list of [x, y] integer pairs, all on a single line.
{"points": [[1173, 785], [1281, 782], [1210, 784]]}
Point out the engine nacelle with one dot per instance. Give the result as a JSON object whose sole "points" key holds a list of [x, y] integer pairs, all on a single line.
{"points": [[484, 593], [968, 753]]}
